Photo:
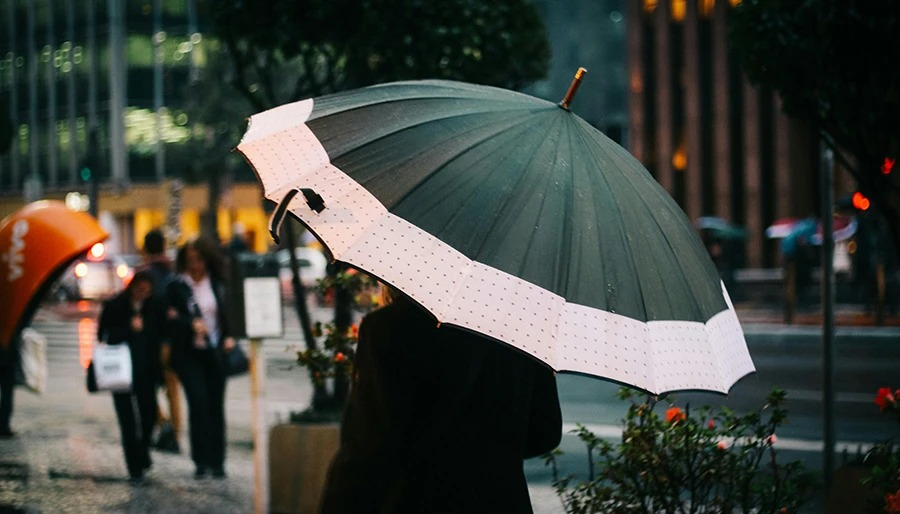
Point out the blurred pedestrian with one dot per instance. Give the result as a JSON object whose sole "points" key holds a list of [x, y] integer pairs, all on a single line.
{"points": [[131, 317], [168, 428], [238, 243], [439, 420], [9, 366], [199, 331]]}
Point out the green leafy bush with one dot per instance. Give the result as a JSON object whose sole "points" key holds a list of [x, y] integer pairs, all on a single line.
{"points": [[332, 355], [709, 461]]}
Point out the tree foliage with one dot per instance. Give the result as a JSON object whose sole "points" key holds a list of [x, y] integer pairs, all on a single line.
{"points": [[835, 64], [285, 50]]}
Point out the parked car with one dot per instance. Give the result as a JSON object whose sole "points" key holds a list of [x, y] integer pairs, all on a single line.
{"points": [[312, 264], [95, 276]]}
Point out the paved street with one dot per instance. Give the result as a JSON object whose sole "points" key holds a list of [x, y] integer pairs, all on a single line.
{"points": [[67, 457]]}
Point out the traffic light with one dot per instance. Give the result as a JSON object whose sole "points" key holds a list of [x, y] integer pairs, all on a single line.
{"points": [[860, 202], [85, 173]]}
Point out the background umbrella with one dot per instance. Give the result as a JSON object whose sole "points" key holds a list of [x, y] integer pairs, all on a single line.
{"points": [[720, 228], [781, 228], [37, 243], [510, 216], [794, 231]]}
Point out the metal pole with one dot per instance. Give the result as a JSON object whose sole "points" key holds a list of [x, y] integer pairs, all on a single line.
{"points": [[32, 59], [69, 70], [158, 59], [828, 299], [51, 67], [14, 79], [118, 170], [260, 435]]}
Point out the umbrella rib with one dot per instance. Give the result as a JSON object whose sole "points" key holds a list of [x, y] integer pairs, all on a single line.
{"points": [[421, 123], [567, 229], [548, 177], [667, 236], [620, 227], [455, 156], [524, 129]]}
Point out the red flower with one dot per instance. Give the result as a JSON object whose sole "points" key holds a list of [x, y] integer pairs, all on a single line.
{"points": [[674, 415], [339, 357], [892, 502], [711, 425], [884, 398], [771, 440], [354, 331]]}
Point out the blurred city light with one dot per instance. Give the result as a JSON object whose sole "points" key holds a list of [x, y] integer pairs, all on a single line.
{"points": [[860, 202]]}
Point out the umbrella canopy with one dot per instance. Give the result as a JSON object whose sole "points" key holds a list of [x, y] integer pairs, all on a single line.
{"points": [[37, 242], [782, 227], [510, 216], [793, 231], [720, 228]]}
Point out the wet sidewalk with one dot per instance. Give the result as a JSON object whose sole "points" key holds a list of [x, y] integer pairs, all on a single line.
{"points": [[66, 458]]}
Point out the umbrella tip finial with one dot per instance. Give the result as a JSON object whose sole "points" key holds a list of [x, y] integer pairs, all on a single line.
{"points": [[573, 88]]}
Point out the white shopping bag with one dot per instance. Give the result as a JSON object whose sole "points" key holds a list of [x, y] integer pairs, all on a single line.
{"points": [[33, 357], [112, 367]]}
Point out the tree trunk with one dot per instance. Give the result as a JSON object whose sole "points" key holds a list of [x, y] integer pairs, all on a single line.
{"points": [[290, 242], [209, 226]]}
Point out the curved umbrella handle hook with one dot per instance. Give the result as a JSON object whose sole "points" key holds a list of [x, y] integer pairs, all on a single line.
{"points": [[313, 200]]}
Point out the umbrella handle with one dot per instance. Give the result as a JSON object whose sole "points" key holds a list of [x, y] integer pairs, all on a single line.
{"points": [[313, 200], [573, 88]]}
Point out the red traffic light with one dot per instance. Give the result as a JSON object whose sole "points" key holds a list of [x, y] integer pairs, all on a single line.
{"points": [[887, 166], [860, 202]]}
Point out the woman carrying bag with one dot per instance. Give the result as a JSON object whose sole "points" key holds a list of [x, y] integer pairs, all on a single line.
{"points": [[198, 329], [133, 318]]}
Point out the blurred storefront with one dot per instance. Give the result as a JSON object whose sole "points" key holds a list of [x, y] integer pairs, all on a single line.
{"points": [[719, 145], [97, 96], [129, 214]]}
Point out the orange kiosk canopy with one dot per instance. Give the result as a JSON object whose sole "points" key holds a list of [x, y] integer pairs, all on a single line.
{"points": [[37, 243]]}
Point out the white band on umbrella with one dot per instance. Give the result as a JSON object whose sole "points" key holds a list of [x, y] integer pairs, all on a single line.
{"points": [[657, 356]]}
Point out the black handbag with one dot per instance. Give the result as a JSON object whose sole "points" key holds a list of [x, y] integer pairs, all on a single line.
{"points": [[91, 379], [236, 362]]}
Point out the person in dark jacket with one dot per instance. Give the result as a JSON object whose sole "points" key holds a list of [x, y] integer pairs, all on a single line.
{"points": [[439, 420], [9, 366], [132, 318], [156, 261], [200, 336]]}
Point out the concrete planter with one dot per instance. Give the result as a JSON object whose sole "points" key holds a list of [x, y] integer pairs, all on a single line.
{"points": [[299, 456], [847, 495]]}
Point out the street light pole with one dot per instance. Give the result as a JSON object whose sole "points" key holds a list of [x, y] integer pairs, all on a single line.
{"points": [[828, 299]]}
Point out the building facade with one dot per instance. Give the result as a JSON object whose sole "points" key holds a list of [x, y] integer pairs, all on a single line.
{"points": [[719, 145], [95, 93], [98, 88]]}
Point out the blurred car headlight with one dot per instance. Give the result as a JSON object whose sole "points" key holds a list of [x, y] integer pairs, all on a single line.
{"points": [[97, 251]]}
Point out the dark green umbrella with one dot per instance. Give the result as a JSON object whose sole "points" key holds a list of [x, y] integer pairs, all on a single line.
{"points": [[511, 216]]}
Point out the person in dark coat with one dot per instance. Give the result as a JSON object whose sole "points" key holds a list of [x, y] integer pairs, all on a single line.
{"points": [[156, 261], [439, 420], [131, 318], [9, 367], [200, 336]]}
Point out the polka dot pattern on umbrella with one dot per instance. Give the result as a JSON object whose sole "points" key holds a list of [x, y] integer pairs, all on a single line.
{"points": [[656, 356]]}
